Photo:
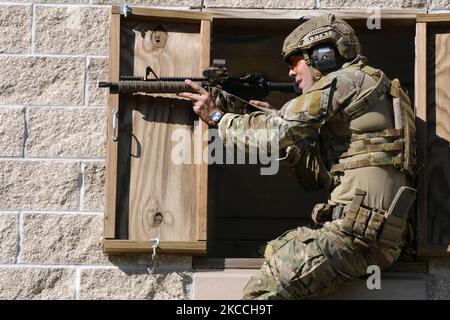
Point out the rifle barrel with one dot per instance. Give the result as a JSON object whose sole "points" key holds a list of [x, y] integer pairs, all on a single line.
{"points": [[281, 86], [148, 86], [168, 86]]}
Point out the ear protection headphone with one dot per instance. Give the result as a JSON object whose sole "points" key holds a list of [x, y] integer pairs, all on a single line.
{"points": [[324, 58]]}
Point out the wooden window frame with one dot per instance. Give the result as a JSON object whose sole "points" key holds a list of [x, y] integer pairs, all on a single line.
{"points": [[421, 19], [113, 245], [423, 22]]}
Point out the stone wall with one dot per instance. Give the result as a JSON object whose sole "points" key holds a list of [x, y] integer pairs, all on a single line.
{"points": [[52, 161], [52, 153]]}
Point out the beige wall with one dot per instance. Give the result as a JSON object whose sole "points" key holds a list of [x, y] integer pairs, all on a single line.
{"points": [[52, 154]]}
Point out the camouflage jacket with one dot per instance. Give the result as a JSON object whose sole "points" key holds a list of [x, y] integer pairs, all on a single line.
{"points": [[315, 124]]}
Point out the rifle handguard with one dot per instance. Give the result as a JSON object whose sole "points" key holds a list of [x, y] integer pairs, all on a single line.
{"points": [[148, 86]]}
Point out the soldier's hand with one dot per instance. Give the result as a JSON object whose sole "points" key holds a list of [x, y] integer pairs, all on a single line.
{"points": [[263, 104], [203, 102]]}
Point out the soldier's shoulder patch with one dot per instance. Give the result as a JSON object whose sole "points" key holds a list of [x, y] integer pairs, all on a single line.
{"points": [[308, 102], [314, 102], [323, 83]]}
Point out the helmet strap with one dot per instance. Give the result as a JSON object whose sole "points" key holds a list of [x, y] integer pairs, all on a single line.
{"points": [[317, 75]]}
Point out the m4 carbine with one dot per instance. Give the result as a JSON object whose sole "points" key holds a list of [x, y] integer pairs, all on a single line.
{"points": [[251, 86]]}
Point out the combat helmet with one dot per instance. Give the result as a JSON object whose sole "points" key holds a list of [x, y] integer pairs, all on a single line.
{"points": [[320, 30]]}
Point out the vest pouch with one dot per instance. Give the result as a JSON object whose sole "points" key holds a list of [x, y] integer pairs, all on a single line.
{"points": [[302, 163], [322, 212]]}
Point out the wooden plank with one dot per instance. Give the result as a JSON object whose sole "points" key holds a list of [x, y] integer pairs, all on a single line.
{"points": [[165, 247], [256, 263], [202, 191], [271, 14], [433, 250], [111, 156], [227, 263], [421, 129], [293, 14], [434, 18], [421, 71], [442, 85], [159, 184], [438, 135], [172, 15], [432, 101], [202, 167]]}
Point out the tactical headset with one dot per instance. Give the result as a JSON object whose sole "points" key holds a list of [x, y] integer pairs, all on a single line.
{"points": [[324, 58]]}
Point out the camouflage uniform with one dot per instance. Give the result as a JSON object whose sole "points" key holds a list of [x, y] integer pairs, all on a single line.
{"points": [[339, 134]]}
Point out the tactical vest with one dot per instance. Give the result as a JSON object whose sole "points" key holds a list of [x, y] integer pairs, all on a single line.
{"points": [[318, 161], [397, 144]]}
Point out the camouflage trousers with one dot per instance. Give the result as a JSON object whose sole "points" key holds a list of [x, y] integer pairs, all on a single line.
{"points": [[304, 263]]}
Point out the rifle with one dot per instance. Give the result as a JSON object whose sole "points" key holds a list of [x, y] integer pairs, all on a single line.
{"points": [[245, 88]]}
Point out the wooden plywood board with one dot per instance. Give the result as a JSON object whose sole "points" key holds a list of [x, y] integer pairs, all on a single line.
{"points": [[113, 105], [158, 184], [438, 135], [394, 14], [168, 15], [202, 168], [433, 18], [432, 104], [442, 44], [421, 130], [165, 247], [180, 55]]}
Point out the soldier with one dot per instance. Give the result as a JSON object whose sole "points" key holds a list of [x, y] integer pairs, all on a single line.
{"points": [[352, 132]]}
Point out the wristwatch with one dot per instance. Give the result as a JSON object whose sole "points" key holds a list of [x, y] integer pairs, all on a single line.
{"points": [[215, 116]]}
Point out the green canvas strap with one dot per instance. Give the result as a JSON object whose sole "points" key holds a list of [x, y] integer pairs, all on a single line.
{"points": [[371, 161], [370, 96]]}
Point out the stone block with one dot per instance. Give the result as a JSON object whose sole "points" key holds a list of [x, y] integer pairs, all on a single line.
{"points": [[439, 4], [438, 264], [62, 239], [97, 71], [41, 80], [12, 132], [165, 3], [94, 186], [57, 238], [393, 286], [72, 30], [15, 28], [134, 283], [8, 237], [438, 286], [20, 283], [39, 185], [361, 4], [61, 1], [231, 283], [66, 132]]}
